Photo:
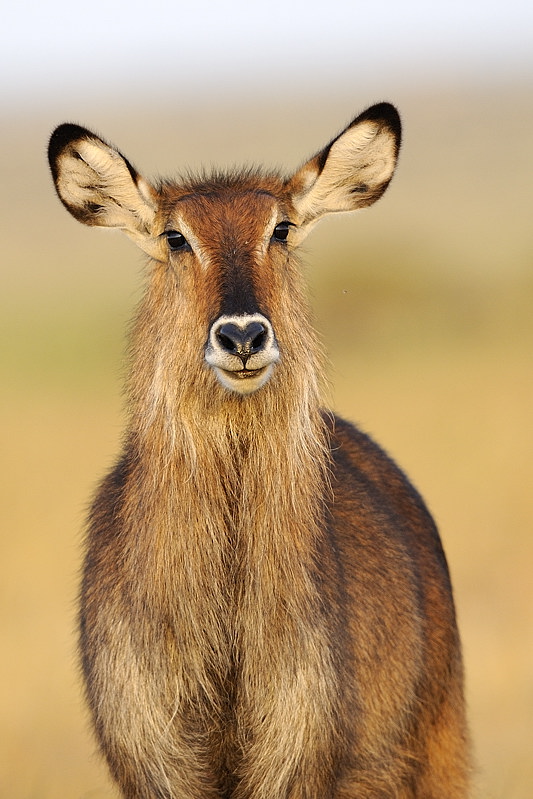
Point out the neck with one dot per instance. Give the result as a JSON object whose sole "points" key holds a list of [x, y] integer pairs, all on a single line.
{"points": [[223, 479]]}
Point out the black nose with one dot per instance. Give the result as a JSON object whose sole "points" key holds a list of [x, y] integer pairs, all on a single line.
{"points": [[242, 341]]}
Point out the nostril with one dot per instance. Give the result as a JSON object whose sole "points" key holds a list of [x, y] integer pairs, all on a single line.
{"points": [[227, 343], [257, 342], [255, 336], [230, 338]]}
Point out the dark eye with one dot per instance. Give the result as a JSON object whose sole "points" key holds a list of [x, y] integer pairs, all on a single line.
{"points": [[281, 231], [176, 240]]}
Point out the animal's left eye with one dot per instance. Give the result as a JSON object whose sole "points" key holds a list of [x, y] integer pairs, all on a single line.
{"points": [[176, 240], [281, 231]]}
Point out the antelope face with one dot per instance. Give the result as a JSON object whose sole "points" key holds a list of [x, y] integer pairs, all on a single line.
{"points": [[232, 237]]}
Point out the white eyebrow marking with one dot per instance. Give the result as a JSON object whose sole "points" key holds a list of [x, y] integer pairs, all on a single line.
{"points": [[182, 227], [268, 230]]}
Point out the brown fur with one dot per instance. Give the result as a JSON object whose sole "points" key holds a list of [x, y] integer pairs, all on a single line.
{"points": [[266, 611]]}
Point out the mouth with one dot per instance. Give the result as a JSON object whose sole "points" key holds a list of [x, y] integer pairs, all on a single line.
{"points": [[244, 381], [245, 374]]}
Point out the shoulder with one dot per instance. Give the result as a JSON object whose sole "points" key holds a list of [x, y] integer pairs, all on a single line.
{"points": [[362, 469], [350, 446]]}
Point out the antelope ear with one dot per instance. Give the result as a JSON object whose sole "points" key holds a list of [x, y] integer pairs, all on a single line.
{"points": [[353, 170], [100, 187]]}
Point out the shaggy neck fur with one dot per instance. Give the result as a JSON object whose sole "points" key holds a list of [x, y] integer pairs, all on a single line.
{"points": [[227, 505]]}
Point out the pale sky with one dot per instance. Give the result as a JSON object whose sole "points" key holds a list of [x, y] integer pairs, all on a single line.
{"points": [[52, 46]]}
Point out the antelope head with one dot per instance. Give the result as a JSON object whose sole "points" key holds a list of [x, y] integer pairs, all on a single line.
{"points": [[228, 241]]}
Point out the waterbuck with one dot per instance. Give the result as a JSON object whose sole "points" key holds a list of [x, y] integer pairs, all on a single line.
{"points": [[266, 609]]}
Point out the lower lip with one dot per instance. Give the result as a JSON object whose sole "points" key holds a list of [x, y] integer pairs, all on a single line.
{"points": [[245, 374]]}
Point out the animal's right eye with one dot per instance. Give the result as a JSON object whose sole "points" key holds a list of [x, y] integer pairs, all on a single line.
{"points": [[176, 240]]}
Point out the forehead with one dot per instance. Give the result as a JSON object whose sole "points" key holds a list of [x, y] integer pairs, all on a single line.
{"points": [[227, 201]]}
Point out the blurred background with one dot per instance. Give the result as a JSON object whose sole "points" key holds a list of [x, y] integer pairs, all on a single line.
{"points": [[424, 304]]}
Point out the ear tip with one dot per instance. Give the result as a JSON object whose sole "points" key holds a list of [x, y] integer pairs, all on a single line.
{"points": [[62, 136], [387, 114]]}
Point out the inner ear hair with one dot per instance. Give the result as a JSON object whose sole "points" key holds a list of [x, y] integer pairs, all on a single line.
{"points": [[354, 169]]}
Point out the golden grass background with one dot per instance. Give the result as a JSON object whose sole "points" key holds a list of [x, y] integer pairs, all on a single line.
{"points": [[425, 306]]}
